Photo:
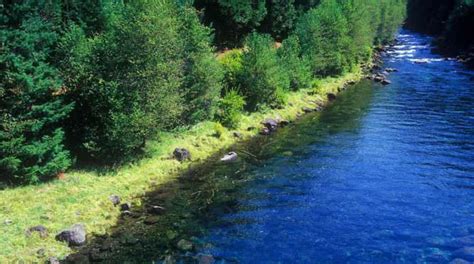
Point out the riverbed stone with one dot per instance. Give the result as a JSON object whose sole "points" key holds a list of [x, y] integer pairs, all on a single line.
{"points": [[40, 229], [386, 82], [185, 245], [181, 154], [74, 236]]}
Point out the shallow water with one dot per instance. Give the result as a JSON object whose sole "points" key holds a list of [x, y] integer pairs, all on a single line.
{"points": [[384, 175]]}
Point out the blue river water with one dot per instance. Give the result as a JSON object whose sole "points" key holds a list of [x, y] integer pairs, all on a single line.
{"points": [[385, 175]]}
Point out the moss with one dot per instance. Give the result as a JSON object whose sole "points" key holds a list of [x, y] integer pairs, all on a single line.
{"points": [[82, 197]]}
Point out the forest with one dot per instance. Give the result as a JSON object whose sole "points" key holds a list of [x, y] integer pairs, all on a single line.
{"points": [[90, 82]]}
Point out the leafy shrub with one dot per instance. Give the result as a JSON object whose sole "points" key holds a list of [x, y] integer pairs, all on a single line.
{"points": [[219, 130], [264, 82], [231, 62], [230, 109], [294, 64], [130, 87]]}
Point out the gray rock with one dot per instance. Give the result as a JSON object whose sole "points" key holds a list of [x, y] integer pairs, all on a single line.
{"points": [[115, 199], [125, 206], [466, 253], [181, 154], [8, 222], [271, 124], [75, 236], [331, 97], [185, 245], [283, 123], [391, 70], [229, 157], [386, 82], [42, 230]]}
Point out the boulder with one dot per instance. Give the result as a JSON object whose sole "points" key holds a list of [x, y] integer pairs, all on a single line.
{"points": [[391, 70], [231, 156], [115, 199], [75, 236], [331, 97], [386, 82], [42, 231], [271, 124], [181, 154]]}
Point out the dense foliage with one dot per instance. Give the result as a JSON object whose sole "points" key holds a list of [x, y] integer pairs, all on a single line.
{"points": [[452, 20], [95, 80]]}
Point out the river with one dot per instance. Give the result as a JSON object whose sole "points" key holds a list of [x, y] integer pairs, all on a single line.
{"points": [[385, 174]]}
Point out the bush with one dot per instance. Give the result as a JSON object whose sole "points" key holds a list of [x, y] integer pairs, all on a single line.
{"points": [[128, 80], [323, 33], [294, 64], [264, 82], [231, 62], [230, 109], [32, 106]]}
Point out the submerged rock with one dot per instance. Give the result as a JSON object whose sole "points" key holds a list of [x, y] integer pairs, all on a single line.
{"points": [[185, 245], [42, 230], [115, 199], [75, 236], [181, 154], [386, 82], [205, 259], [231, 156], [391, 70]]}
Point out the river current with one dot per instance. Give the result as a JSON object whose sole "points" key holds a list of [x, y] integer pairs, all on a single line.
{"points": [[383, 175]]}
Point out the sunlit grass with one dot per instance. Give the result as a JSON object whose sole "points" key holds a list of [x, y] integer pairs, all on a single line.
{"points": [[82, 197]]}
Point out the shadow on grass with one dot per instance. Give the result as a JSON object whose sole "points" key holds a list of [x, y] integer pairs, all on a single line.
{"points": [[174, 215]]}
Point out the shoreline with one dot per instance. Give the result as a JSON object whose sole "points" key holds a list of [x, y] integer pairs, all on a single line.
{"points": [[83, 197]]}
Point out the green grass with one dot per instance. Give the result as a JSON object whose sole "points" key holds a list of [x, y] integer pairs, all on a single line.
{"points": [[82, 197]]}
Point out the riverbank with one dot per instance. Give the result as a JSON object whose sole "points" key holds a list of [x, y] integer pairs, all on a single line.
{"points": [[83, 196]]}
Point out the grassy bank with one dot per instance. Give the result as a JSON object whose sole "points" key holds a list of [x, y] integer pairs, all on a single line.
{"points": [[82, 196]]}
